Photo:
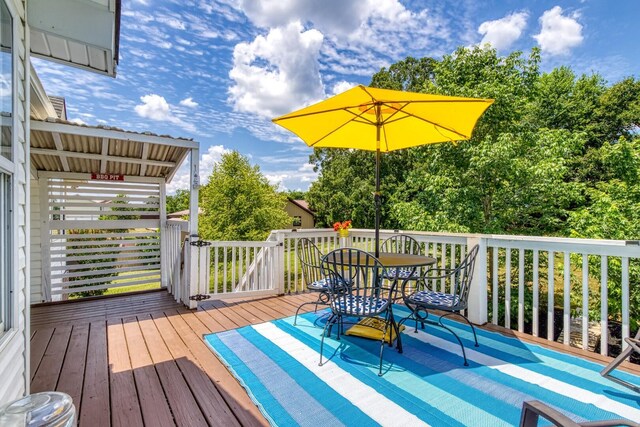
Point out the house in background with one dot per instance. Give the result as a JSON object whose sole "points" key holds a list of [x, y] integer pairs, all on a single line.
{"points": [[301, 215]]}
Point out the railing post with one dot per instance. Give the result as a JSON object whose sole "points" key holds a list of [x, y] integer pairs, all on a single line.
{"points": [[280, 267], [477, 308], [192, 286]]}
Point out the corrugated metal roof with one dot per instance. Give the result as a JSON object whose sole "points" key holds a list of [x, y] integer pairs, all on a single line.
{"points": [[62, 146]]}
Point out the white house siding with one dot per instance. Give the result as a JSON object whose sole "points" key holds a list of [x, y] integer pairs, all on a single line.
{"points": [[13, 349], [36, 249]]}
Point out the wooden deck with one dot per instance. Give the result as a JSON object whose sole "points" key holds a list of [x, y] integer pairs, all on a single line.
{"points": [[140, 359]]}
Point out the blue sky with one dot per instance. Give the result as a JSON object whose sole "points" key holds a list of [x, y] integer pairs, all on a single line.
{"points": [[217, 71]]}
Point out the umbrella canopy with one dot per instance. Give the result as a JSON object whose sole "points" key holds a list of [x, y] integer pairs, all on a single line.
{"points": [[383, 120]]}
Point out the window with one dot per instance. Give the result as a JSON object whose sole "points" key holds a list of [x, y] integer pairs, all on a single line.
{"points": [[297, 221], [7, 167]]}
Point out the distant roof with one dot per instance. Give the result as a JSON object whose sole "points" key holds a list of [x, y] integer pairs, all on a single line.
{"points": [[185, 212], [302, 204], [60, 105]]}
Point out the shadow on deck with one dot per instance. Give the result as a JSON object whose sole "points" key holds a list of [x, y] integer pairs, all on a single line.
{"points": [[140, 359]]}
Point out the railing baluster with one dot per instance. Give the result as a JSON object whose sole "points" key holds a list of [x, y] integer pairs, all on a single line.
{"points": [[224, 274], [494, 267], [566, 316], [536, 293], [521, 290], [585, 301], [507, 289], [604, 306], [625, 300], [256, 270], [550, 295], [215, 270]]}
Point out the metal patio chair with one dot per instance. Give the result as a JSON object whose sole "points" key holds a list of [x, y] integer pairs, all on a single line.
{"points": [[310, 260], [419, 301], [534, 409], [357, 290], [634, 346], [403, 244]]}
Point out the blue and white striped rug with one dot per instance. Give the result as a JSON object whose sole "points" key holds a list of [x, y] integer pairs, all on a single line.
{"points": [[426, 385]]}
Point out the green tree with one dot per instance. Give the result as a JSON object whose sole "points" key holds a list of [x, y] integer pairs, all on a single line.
{"points": [[178, 202], [239, 203]]}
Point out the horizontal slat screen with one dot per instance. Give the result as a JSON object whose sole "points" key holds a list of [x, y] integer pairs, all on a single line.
{"points": [[102, 235]]}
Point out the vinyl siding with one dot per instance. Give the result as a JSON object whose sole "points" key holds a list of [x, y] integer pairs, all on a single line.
{"points": [[13, 349], [36, 250]]}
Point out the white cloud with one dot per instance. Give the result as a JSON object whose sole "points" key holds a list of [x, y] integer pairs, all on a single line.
{"points": [[78, 121], [172, 22], [559, 33], [502, 33], [277, 73], [367, 33], [342, 86], [189, 102], [155, 107]]}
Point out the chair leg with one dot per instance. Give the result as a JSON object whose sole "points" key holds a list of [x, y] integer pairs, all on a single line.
{"points": [[383, 341], [473, 329], [464, 354], [319, 301], [328, 325]]}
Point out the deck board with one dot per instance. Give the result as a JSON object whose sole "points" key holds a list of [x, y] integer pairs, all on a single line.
{"points": [[46, 377], [95, 400], [125, 408], [72, 374], [141, 359], [153, 403]]}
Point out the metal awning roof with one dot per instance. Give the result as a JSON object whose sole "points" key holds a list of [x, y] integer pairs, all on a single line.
{"points": [[61, 146], [82, 33]]}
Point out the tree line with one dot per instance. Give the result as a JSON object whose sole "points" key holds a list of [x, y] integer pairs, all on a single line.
{"points": [[556, 155]]}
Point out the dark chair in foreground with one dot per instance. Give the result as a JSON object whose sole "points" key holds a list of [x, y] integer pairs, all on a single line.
{"points": [[403, 244], [634, 346], [534, 409], [356, 290], [310, 260], [453, 303]]}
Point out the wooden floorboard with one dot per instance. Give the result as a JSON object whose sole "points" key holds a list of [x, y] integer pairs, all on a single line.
{"points": [[153, 403], [72, 374], [142, 361], [95, 400], [125, 408]]}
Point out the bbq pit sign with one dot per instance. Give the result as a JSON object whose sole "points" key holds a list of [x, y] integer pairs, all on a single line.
{"points": [[107, 177]]}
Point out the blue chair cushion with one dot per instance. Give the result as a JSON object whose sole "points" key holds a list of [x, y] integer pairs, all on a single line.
{"points": [[359, 305], [401, 273], [319, 285], [435, 299]]}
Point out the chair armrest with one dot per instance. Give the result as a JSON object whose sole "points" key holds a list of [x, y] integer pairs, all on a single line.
{"points": [[440, 273], [533, 409]]}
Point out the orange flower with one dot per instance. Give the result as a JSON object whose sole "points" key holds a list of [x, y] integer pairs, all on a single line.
{"points": [[342, 225]]}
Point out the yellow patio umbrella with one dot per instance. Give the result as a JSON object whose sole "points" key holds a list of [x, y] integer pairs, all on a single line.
{"points": [[382, 120]]}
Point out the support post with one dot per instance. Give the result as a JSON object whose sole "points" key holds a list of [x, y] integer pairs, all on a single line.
{"points": [[477, 303], [194, 185], [280, 269]]}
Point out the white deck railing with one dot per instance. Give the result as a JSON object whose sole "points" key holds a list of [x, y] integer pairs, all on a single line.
{"points": [[536, 285]]}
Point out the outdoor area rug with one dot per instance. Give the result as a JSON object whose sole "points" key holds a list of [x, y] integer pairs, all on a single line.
{"points": [[277, 363]]}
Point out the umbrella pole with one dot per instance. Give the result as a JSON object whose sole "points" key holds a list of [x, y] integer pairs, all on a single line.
{"points": [[377, 202]]}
